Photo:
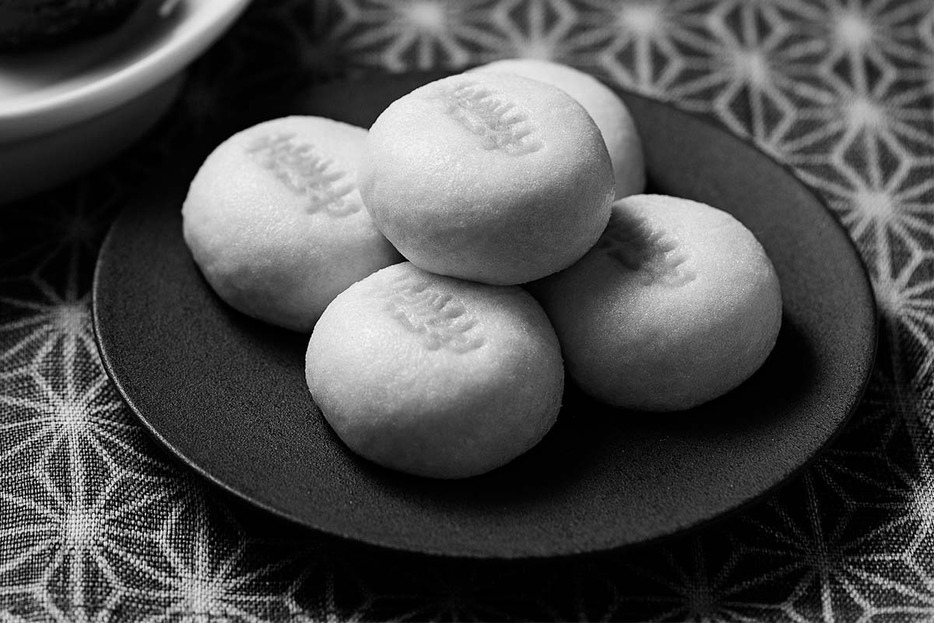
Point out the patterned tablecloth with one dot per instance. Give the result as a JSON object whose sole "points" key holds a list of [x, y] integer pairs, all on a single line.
{"points": [[98, 523]]}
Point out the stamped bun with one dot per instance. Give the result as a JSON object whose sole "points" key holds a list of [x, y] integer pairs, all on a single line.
{"points": [[676, 305], [489, 177], [435, 376], [275, 222]]}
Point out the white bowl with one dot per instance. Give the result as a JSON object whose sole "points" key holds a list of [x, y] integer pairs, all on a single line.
{"points": [[62, 112]]}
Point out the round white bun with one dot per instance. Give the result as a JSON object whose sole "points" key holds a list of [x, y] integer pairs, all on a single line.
{"points": [[275, 221], [435, 376], [677, 304], [489, 177]]}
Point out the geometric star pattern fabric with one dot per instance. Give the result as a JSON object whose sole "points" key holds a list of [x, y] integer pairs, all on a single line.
{"points": [[97, 523]]}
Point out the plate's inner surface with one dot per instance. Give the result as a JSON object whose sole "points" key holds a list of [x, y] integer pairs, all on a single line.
{"points": [[227, 394]]}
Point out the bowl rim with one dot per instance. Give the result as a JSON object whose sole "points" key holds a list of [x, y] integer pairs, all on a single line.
{"points": [[201, 23]]}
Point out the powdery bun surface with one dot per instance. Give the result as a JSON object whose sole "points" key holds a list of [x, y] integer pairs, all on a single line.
{"points": [[275, 221], [489, 177], [607, 109], [435, 376], [676, 304]]}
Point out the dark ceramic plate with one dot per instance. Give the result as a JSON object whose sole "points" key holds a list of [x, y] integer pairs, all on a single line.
{"points": [[227, 394]]}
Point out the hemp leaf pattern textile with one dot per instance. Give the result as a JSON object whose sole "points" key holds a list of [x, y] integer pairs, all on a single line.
{"points": [[97, 523]]}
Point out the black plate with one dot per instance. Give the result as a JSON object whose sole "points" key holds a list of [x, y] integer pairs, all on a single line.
{"points": [[227, 394]]}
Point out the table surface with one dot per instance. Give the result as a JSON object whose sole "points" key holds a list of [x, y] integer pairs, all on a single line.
{"points": [[98, 523]]}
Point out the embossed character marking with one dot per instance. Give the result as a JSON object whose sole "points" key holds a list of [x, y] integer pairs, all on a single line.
{"points": [[654, 256], [438, 318], [500, 124], [306, 173]]}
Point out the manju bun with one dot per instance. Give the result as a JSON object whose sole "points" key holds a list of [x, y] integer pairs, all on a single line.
{"points": [[275, 221], [493, 178], [677, 304], [435, 376]]}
